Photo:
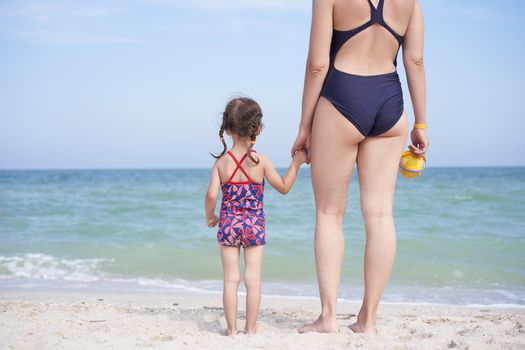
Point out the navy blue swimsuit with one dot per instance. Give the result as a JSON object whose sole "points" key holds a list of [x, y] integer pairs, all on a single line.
{"points": [[373, 103]]}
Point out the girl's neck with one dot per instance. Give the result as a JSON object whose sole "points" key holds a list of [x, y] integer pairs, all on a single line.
{"points": [[241, 144]]}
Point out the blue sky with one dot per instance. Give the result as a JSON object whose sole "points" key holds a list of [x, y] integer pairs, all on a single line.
{"points": [[142, 83]]}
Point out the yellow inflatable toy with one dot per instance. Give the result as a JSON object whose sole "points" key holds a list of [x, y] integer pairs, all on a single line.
{"points": [[411, 166]]}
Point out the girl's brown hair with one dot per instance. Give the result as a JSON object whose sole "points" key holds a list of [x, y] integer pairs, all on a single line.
{"points": [[241, 117]]}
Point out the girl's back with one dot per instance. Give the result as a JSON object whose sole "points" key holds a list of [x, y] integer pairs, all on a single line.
{"points": [[228, 164], [241, 220]]}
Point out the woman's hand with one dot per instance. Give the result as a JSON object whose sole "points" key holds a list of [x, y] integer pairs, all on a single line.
{"points": [[300, 157], [420, 142], [212, 222], [302, 142]]}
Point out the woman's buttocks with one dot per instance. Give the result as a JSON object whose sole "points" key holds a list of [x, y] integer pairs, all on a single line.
{"points": [[359, 92]]}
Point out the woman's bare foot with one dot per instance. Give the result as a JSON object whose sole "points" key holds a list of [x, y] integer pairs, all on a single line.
{"points": [[321, 325], [252, 330], [231, 332], [358, 328]]}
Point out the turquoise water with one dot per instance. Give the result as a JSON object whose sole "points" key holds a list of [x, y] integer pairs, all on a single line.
{"points": [[461, 234]]}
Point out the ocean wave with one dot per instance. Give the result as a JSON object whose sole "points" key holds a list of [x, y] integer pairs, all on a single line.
{"points": [[42, 271], [47, 267], [38, 269]]}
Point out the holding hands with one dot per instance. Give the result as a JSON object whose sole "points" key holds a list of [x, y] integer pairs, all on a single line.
{"points": [[302, 145], [300, 157]]}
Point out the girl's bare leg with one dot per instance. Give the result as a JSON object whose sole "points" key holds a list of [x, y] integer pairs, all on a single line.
{"points": [[253, 259], [230, 265]]}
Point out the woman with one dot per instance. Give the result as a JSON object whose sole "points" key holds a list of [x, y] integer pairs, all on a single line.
{"points": [[353, 113]]}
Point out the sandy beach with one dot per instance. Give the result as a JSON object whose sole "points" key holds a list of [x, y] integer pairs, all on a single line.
{"points": [[100, 320]]}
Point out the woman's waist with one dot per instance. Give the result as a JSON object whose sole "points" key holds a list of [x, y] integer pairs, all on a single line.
{"points": [[388, 74], [347, 85], [365, 60]]}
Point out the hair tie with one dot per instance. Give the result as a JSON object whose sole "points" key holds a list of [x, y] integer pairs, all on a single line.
{"points": [[222, 138]]}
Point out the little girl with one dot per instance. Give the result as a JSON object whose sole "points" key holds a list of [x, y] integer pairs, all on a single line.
{"points": [[241, 176]]}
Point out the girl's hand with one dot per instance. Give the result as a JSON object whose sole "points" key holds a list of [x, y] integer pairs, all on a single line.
{"points": [[420, 142], [212, 222], [300, 157], [302, 142]]}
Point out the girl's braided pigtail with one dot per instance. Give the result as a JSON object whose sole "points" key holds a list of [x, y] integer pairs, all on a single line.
{"points": [[221, 135], [255, 123]]}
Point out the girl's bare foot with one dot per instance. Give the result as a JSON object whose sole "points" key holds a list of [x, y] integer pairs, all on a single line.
{"points": [[321, 325], [231, 332], [358, 328]]}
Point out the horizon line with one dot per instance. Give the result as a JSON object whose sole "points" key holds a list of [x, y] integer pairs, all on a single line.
{"points": [[208, 168]]}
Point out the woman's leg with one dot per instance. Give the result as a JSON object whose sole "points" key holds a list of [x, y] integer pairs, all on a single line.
{"points": [[253, 258], [230, 265], [377, 166], [334, 145]]}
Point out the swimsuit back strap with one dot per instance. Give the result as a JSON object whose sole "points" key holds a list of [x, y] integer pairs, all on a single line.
{"points": [[377, 16], [239, 166], [379, 8]]}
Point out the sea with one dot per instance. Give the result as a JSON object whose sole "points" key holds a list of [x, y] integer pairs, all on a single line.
{"points": [[460, 235]]}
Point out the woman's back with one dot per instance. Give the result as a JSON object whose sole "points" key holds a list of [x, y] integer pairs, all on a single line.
{"points": [[373, 50]]}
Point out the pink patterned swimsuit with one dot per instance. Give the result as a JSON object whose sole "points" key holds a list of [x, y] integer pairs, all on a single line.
{"points": [[241, 219]]}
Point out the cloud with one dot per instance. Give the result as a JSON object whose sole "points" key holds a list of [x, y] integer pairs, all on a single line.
{"points": [[82, 21], [57, 21], [57, 37], [45, 11], [275, 5]]}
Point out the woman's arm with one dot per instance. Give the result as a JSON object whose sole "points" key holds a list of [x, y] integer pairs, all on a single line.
{"points": [[285, 183], [415, 71], [318, 59], [317, 65], [211, 197]]}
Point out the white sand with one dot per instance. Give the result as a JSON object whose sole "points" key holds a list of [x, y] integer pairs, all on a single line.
{"points": [[99, 320]]}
